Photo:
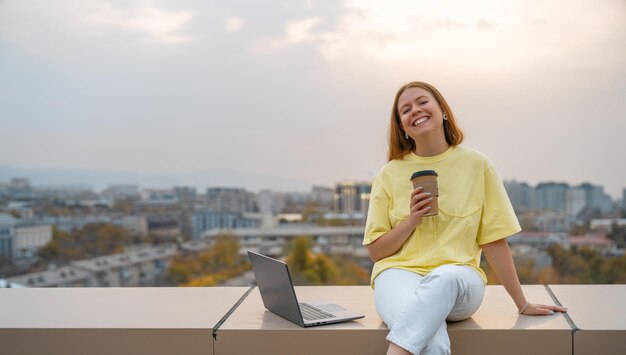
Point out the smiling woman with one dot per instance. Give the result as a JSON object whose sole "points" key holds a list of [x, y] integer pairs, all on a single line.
{"points": [[427, 265], [432, 107]]}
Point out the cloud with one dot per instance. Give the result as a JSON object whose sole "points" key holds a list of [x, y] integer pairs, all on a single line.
{"points": [[159, 25], [485, 25], [233, 23], [28, 23], [295, 32], [437, 34]]}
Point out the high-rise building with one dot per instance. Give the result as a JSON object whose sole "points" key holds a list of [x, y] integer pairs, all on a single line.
{"points": [[270, 202], [121, 192], [158, 196], [7, 225], [29, 237], [575, 201], [164, 225], [522, 195], [551, 196], [323, 196], [206, 220], [607, 204], [594, 195], [185, 193], [21, 189], [228, 199], [352, 197], [4, 189], [596, 198]]}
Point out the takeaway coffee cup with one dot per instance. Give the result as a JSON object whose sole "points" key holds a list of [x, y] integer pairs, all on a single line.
{"points": [[428, 180]]}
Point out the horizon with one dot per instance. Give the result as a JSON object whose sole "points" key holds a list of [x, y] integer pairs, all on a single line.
{"points": [[166, 182]]}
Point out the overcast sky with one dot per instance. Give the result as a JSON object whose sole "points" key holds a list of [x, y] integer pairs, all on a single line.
{"points": [[303, 90]]}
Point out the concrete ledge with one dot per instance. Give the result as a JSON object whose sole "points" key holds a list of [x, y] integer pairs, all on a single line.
{"points": [[253, 329], [72, 321], [182, 320], [600, 314], [103, 341], [495, 329]]}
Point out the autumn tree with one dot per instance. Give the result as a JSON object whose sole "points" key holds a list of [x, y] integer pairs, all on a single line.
{"points": [[618, 234], [90, 241], [571, 267], [218, 263], [308, 268]]}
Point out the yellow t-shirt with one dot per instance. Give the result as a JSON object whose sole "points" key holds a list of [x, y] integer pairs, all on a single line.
{"points": [[474, 209]]}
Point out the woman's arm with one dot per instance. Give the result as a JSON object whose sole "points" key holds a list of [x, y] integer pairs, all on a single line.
{"points": [[499, 257], [390, 242]]}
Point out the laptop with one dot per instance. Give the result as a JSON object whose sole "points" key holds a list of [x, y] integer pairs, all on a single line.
{"points": [[279, 297]]}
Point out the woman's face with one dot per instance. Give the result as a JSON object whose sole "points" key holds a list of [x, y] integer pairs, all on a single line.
{"points": [[419, 112]]}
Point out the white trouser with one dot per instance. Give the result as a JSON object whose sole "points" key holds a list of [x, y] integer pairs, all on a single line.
{"points": [[416, 307]]}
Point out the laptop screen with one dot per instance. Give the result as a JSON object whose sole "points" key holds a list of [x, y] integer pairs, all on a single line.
{"points": [[274, 282]]}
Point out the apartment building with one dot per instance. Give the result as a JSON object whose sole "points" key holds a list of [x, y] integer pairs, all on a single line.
{"points": [[7, 231], [67, 276], [140, 267]]}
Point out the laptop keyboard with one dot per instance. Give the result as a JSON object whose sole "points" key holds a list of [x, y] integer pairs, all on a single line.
{"points": [[311, 313]]}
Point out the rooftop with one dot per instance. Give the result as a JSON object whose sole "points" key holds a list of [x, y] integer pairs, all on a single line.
{"points": [[232, 320], [288, 231]]}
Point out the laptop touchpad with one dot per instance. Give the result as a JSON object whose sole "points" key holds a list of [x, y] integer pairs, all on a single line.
{"points": [[331, 307]]}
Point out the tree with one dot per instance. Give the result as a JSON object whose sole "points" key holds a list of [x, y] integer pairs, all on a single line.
{"points": [[618, 234], [89, 241], [217, 264], [7, 268], [526, 272], [325, 268], [225, 251], [300, 258], [527, 222], [571, 267], [308, 268], [311, 213]]}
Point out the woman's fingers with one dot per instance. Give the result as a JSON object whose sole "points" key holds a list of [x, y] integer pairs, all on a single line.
{"points": [[557, 308], [416, 191], [542, 309], [420, 203], [420, 197], [544, 312], [420, 212]]}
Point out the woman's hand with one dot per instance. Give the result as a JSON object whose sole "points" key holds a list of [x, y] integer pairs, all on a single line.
{"points": [[419, 205], [392, 241], [534, 309]]}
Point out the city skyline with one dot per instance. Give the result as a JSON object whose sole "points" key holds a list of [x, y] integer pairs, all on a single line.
{"points": [[301, 91], [278, 186]]}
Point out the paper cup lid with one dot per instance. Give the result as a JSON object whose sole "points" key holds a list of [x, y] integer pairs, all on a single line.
{"points": [[423, 173]]}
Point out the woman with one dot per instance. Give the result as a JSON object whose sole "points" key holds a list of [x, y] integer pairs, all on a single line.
{"points": [[427, 268]]}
